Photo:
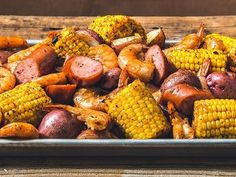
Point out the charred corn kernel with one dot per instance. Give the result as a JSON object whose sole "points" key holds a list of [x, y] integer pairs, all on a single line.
{"points": [[136, 111], [68, 42], [192, 59], [112, 27], [215, 118], [24, 103], [229, 43]]}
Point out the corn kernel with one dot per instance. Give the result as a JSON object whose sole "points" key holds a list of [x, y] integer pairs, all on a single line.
{"points": [[148, 122], [27, 99], [184, 59], [215, 120]]}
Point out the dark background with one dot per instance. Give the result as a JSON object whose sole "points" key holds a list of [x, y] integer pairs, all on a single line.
{"points": [[128, 7]]}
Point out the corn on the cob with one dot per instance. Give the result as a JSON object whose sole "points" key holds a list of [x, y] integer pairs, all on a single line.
{"points": [[137, 113], [215, 118], [23, 103], [192, 59], [113, 27], [69, 42], [229, 43]]}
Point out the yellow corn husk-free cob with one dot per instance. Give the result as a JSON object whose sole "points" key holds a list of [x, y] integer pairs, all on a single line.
{"points": [[229, 43], [69, 42], [111, 27], [215, 118], [136, 112], [24, 103], [192, 59], [21, 55]]}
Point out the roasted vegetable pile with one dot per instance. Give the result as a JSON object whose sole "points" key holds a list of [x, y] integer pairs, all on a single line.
{"points": [[115, 80]]}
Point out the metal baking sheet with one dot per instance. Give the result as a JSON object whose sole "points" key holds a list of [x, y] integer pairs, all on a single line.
{"points": [[119, 147]]}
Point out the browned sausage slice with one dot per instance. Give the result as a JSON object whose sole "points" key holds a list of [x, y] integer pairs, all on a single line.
{"points": [[156, 55], [61, 93], [83, 70], [40, 62], [183, 97]]}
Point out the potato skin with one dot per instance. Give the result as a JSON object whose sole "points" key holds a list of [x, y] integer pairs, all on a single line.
{"points": [[59, 124], [119, 44], [90, 37], [222, 84], [156, 37], [180, 77]]}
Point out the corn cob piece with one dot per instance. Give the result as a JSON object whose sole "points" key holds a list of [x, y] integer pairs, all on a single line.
{"points": [[24, 103], [229, 43], [113, 27], [68, 42], [215, 118], [136, 112], [192, 59], [21, 55]]}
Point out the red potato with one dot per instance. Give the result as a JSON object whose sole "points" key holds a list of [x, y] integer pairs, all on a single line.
{"points": [[156, 55], [90, 37], [40, 62], [19, 130], [180, 77], [121, 43], [95, 120], [83, 70], [61, 93], [59, 124], [4, 56], [110, 79], [222, 84], [156, 37], [183, 97]]}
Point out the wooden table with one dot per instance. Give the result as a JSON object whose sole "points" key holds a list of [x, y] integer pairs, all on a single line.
{"points": [[175, 27]]}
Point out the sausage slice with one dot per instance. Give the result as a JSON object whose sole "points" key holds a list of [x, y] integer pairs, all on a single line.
{"points": [[61, 93], [156, 55], [183, 97], [40, 62], [83, 70]]}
